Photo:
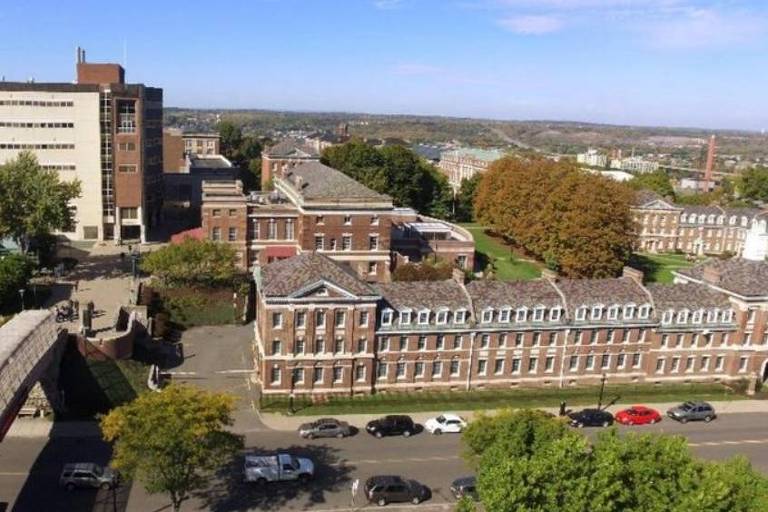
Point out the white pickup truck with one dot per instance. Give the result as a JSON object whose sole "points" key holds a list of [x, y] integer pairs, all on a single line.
{"points": [[280, 467]]}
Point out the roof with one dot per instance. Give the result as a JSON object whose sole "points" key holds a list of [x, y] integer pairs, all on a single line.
{"points": [[514, 294], [316, 181], [293, 147], [686, 296], [209, 162], [286, 277], [743, 277], [588, 292], [487, 155], [416, 295]]}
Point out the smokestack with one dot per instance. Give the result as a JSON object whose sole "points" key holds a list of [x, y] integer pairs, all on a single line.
{"points": [[83, 54], [78, 55], [710, 163]]}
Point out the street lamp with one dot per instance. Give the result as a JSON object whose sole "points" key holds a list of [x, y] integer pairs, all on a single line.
{"points": [[21, 292], [602, 389]]}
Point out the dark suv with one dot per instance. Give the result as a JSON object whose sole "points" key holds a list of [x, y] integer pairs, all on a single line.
{"points": [[391, 426], [385, 489], [591, 418]]}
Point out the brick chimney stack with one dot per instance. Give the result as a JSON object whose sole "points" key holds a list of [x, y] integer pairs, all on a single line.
{"points": [[710, 164]]}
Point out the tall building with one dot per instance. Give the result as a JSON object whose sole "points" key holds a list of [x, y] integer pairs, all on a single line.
{"points": [[100, 130], [461, 164]]}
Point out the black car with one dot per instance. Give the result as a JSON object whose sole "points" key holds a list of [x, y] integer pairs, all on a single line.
{"points": [[591, 418], [391, 426], [465, 486], [383, 489]]}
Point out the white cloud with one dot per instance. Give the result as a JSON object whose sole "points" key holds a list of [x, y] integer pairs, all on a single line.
{"points": [[532, 24], [701, 28], [387, 4]]}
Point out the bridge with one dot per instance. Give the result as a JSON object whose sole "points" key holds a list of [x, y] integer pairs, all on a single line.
{"points": [[31, 346]]}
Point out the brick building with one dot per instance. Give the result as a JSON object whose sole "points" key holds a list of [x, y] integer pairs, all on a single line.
{"points": [[321, 330], [285, 154], [664, 226], [314, 208], [461, 164], [100, 130]]}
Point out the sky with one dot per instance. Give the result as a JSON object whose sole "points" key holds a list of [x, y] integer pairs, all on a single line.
{"points": [[695, 63]]}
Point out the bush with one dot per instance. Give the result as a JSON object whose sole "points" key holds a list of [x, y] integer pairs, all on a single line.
{"points": [[15, 272], [193, 262], [162, 325]]}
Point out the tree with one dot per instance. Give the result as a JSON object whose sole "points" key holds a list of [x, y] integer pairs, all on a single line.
{"points": [[753, 184], [193, 262], [172, 440], [427, 270], [578, 223], [15, 272], [657, 181], [465, 199], [33, 201], [231, 137]]}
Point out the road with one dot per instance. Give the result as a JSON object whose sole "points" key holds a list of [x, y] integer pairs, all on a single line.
{"points": [[29, 468]]}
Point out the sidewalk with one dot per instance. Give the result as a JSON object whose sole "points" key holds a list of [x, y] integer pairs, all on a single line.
{"points": [[281, 422], [46, 427]]}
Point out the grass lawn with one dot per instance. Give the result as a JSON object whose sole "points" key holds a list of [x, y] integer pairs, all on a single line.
{"points": [[508, 266], [658, 267], [492, 399]]}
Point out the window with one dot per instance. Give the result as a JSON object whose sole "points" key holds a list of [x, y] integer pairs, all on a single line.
{"points": [[361, 344], [593, 337], [743, 364], [373, 267], [605, 361], [333, 244], [297, 375], [400, 370], [549, 364], [126, 116], [319, 345], [340, 318], [682, 316], [457, 342], [403, 343], [532, 362], [346, 243], [719, 363], [504, 315], [440, 342], [690, 363], [635, 360], [298, 346], [272, 230], [405, 317], [216, 233], [363, 319], [667, 317], [487, 316], [645, 311], [675, 364], [521, 314], [554, 314], [129, 213], [460, 316], [126, 146], [498, 366], [665, 340], [126, 169], [454, 367], [338, 345], [485, 340], [320, 220], [275, 375], [375, 220], [347, 220], [705, 363], [516, 365], [319, 242], [320, 319], [629, 311], [289, 229], [609, 335], [482, 366], [573, 363], [318, 375], [338, 374], [660, 365], [277, 320], [597, 312], [360, 373], [613, 312], [502, 340], [255, 229], [232, 234], [276, 347], [538, 314], [697, 316], [421, 344], [418, 369], [381, 371], [437, 369], [590, 363], [442, 317], [423, 317], [519, 338], [536, 339], [386, 317], [373, 243], [581, 313], [383, 344], [301, 319]]}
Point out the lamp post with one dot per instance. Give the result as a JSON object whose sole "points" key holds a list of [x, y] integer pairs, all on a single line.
{"points": [[21, 292], [602, 389]]}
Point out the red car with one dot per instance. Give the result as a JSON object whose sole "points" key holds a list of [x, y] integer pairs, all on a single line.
{"points": [[638, 415]]}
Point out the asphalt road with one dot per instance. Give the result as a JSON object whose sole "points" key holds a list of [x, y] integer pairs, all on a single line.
{"points": [[29, 469]]}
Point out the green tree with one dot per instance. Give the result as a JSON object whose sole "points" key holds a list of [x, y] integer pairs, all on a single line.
{"points": [[173, 440], [193, 262], [657, 181], [427, 270], [33, 202], [231, 138], [465, 199], [15, 272], [753, 184]]}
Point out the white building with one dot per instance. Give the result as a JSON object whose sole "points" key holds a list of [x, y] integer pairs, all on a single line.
{"points": [[592, 158], [634, 164]]}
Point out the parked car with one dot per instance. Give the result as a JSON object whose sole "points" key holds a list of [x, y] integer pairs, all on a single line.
{"points": [[465, 486], [391, 426], [692, 411], [591, 418], [448, 423], [325, 427], [383, 489], [638, 415], [281, 467], [87, 475]]}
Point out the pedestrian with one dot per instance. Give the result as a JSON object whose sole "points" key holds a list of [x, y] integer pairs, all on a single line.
{"points": [[77, 284], [562, 408], [355, 486]]}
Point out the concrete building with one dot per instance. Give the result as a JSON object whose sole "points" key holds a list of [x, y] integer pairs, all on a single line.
{"points": [[99, 130], [321, 330], [593, 158], [634, 164], [461, 164]]}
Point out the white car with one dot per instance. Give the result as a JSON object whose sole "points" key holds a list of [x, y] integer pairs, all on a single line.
{"points": [[446, 423]]}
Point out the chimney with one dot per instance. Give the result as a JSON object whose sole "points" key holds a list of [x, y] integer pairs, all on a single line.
{"points": [[710, 164], [633, 274], [712, 274], [459, 276], [549, 275], [78, 55]]}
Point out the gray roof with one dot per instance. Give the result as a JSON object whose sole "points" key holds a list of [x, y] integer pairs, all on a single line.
{"points": [[742, 277], [515, 294], [588, 292], [316, 181], [431, 295], [209, 162], [290, 146], [686, 295], [286, 277]]}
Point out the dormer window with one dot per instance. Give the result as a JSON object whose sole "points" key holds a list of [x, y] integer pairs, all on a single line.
{"points": [[682, 316], [442, 316], [702, 219], [744, 221], [597, 312], [697, 316], [405, 317], [386, 317], [645, 311], [732, 220], [460, 316], [728, 316], [720, 219], [711, 219], [504, 315], [613, 312], [683, 218], [487, 316], [667, 317], [581, 313], [423, 318], [538, 314], [554, 314], [521, 314], [712, 315], [629, 311]]}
